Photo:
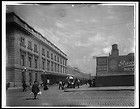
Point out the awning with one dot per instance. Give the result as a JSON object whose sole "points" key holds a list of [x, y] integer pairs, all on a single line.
{"points": [[55, 74]]}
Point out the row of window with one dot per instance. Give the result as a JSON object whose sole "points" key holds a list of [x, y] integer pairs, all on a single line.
{"points": [[53, 56], [22, 43], [49, 65]]}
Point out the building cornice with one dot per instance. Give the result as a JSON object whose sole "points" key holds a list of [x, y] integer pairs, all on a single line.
{"points": [[12, 17]]}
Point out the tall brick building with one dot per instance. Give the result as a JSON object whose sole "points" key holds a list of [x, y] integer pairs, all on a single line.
{"points": [[29, 54], [115, 69]]}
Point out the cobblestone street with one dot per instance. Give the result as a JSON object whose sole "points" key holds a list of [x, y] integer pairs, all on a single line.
{"points": [[56, 97]]}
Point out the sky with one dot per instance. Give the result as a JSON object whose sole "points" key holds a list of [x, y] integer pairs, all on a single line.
{"points": [[82, 31]]}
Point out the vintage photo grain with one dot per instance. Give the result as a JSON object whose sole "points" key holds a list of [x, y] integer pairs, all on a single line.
{"points": [[69, 54]]}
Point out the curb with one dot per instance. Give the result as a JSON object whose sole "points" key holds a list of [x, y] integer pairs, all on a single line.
{"points": [[99, 89]]}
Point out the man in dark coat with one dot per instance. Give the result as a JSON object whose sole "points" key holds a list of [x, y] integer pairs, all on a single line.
{"points": [[60, 85], [63, 85], [35, 89]]}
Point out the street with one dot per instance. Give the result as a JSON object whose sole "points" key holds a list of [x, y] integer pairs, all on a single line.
{"points": [[56, 97]]}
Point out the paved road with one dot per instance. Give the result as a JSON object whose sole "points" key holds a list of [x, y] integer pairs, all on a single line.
{"points": [[55, 97]]}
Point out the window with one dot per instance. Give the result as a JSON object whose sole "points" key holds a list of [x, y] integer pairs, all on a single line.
{"points": [[35, 48], [58, 68], [35, 62], [51, 66], [55, 67], [22, 60], [43, 64], [30, 45], [61, 69], [57, 59], [48, 54], [64, 70], [22, 41], [30, 62], [60, 60], [43, 51], [48, 65], [65, 62], [35, 76], [51, 55]]}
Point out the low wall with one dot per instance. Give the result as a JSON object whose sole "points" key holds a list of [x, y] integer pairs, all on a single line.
{"points": [[120, 80]]}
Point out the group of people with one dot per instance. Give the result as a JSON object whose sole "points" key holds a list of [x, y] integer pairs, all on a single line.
{"points": [[35, 88], [91, 82], [69, 83]]}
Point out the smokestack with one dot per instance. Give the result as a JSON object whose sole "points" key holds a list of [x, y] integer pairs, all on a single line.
{"points": [[114, 51]]}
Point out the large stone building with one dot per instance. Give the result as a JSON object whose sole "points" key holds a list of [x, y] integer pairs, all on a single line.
{"points": [[29, 54], [115, 69]]}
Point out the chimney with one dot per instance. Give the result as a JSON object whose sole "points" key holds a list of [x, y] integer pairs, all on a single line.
{"points": [[114, 51]]}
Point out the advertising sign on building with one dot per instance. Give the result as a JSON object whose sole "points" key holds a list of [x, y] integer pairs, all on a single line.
{"points": [[126, 65]]}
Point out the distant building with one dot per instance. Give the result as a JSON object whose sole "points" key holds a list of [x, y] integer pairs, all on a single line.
{"points": [[115, 69], [29, 54], [74, 71]]}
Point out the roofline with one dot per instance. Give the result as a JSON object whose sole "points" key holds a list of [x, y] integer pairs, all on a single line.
{"points": [[12, 13]]}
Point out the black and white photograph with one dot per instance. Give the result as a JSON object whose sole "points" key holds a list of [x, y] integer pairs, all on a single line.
{"points": [[70, 54]]}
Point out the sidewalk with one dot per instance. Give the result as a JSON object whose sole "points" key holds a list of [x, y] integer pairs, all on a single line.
{"points": [[87, 88], [12, 88]]}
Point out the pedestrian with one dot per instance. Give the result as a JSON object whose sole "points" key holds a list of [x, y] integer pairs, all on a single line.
{"points": [[35, 89], [7, 85], [24, 86], [60, 85], [63, 85], [78, 83], [45, 86], [48, 81]]}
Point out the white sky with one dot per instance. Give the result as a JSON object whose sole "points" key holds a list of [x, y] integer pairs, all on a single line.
{"points": [[82, 31]]}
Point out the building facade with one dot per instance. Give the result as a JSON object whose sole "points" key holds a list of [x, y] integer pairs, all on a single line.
{"points": [[115, 69], [29, 54]]}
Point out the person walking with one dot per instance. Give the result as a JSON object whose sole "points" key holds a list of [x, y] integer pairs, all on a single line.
{"points": [[60, 85], [78, 83], [45, 86], [63, 85], [35, 89]]}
